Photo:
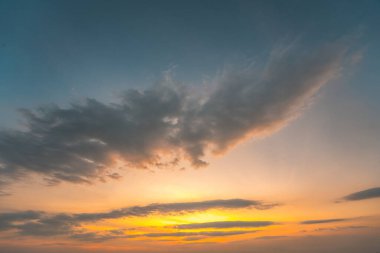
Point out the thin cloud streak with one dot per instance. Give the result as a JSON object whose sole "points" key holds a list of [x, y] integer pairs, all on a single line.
{"points": [[226, 224], [37, 223], [307, 222], [208, 233], [187, 236]]}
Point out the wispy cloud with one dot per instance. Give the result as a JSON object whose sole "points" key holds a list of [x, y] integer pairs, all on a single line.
{"points": [[37, 223], [323, 221], [226, 224], [362, 195], [340, 228], [272, 237], [186, 236], [167, 123], [99, 236], [208, 233]]}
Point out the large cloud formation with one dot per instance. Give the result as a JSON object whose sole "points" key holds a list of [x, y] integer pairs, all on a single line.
{"points": [[167, 124]]}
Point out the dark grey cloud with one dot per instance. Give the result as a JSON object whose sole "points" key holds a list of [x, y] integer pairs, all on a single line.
{"points": [[60, 224], [226, 224], [323, 221], [99, 236], [362, 195], [167, 123], [7, 219], [38, 223]]}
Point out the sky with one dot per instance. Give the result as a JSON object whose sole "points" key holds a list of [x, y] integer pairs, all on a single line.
{"points": [[189, 126]]}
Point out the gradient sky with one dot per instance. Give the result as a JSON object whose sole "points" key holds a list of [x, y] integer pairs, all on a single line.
{"points": [[189, 126]]}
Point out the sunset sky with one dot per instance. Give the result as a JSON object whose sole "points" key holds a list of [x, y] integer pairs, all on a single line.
{"points": [[189, 126]]}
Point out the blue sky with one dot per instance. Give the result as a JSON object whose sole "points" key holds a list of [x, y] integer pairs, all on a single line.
{"points": [[56, 51]]}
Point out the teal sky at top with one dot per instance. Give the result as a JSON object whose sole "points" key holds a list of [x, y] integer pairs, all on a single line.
{"points": [[57, 51]]}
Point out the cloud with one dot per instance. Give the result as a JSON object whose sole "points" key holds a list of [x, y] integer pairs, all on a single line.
{"points": [[187, 236], [178, 207], [7, 219], [99, 236], [362, 195], [4, 193], [270, 237], [38, 223], [340, 228], [191, 234], [226, 224], [168, 123], [115, 175], [322, 221]]}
